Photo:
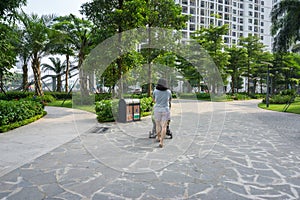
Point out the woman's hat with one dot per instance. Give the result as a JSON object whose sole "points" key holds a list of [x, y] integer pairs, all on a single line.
{"points": [[162, 84]]}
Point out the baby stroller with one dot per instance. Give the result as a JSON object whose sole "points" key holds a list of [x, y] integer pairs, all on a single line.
{"points": [[152, 134]]}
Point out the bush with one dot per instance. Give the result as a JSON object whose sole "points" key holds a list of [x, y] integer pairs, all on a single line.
{"points": [[146, 105], [15, 95], [106, 110], [288, 92], [278, 99], [60, 95], [15, 111]]}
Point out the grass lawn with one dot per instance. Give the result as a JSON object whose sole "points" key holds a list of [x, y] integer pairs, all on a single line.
{"points": [[68, 104], [293, 108]]}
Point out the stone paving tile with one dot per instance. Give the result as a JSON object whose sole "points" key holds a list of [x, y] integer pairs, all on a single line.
{"points": [[251, 158]]}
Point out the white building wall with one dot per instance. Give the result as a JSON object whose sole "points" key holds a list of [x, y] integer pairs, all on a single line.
{"points": [[244, 17]]}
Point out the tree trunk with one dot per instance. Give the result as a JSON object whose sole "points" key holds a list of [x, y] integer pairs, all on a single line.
{"points": [[37, 76], [1, 82], [119, 60], [25, 77], [59, 83], [232, 84], [67, 73]]}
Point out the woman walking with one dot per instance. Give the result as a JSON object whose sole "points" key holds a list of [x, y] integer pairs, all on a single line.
{"points": [[162, 98]]}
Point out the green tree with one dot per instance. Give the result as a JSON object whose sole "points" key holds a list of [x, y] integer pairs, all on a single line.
{"points": [[8, 53], [235, 68], [58, 68], [36, 38], [211, 40], [8, 8], [285, 24], [79, 39], [254, 49], [115, 16], [62, 43]]}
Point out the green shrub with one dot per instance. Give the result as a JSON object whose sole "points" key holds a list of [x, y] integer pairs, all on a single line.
{"points": [[60, 95], [106, 110], [146, 104], [102, 96], [278, 99], [14, 111], [15, 95], [17, 124], [289, 92]]}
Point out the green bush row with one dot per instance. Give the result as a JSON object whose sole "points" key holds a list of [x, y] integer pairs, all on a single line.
{"points": [[279, 99], [14, 125], [16, 111]]}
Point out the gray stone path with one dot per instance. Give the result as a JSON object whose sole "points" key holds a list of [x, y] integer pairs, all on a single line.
{"points": [[243, 153]]}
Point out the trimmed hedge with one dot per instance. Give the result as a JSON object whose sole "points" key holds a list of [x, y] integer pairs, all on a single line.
{"points": [[17, 113], [14, 125]]}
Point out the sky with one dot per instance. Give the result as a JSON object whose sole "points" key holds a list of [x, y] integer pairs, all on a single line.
{"points": [[57, 7]]}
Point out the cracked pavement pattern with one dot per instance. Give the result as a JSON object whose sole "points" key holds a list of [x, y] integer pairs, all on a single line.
{"points": [[234, 152]]}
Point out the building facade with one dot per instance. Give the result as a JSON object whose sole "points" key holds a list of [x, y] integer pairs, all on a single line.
{"points": [[244, 18]]}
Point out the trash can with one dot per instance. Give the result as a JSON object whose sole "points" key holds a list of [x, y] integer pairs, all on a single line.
{"points": [[129, 110]]}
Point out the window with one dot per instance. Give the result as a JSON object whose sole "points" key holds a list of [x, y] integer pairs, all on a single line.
{"points": [[262, 37], [226, 17], [220, 8], [202, 4], [250, 13], [262, 10], [234, 19], [226, 9], [250, 21], [202, 12], [192, 27], [262, 3], [250, 28], [193, 19], [262, 30], [241, 28], [256, 14], [212, 6], [233, 26], [233, 33], [241, 13], [241, 20], [241, 6], [250, 6], [192, 11], [192, 2], [262, 23], [234, 11], [241, 34], [184, 9], [226, 40], [184, 2], [220, 23], [262, 16]]}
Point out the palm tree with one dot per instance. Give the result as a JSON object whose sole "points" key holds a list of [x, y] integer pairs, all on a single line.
{"points": [[285, 24], [58, 68], [36, 39]]}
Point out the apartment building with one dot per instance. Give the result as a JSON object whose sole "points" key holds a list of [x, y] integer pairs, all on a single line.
{"points": [[244, 18]]}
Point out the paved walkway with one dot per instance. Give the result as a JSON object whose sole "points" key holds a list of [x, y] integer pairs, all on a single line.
{"points": [[228, 150]]}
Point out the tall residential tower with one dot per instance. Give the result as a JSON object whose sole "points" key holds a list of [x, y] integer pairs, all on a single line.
{"points": [[244, 17]]}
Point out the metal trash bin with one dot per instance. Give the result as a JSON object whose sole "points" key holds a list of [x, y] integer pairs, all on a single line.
{"points": [[129, 110]]}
